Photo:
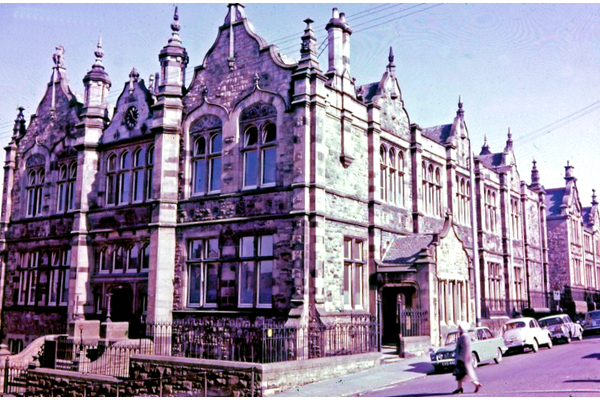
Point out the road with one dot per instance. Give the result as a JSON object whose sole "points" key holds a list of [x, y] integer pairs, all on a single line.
{"points": [[565, 370]]}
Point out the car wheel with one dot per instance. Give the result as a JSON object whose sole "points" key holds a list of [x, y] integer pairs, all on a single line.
{"points": [[568, 339], [474, 360], [580, 337], [549, 342], [498, 356], [535, 347]]}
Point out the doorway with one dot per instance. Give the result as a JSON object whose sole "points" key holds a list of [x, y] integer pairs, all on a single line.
{"points": [[121, 304], [393, 299]]}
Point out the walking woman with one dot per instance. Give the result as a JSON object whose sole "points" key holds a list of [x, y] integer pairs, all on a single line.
{"points": [[463, 355]]}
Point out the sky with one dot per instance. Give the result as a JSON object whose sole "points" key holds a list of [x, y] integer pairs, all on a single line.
{"points": [[532, 68]]}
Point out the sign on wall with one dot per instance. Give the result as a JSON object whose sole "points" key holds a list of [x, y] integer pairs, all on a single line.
{"points": [[452, 260]]}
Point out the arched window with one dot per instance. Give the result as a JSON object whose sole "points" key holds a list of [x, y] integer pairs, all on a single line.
{"points": [[401, 178], [145, 257], [215, 162], [125, 178], [67, 176], [424, 187], [35, 184], [259, 146], [117, 259], [111, 180], [139, 161], [206, 142], [133, 258], [431, 206], [383, 171], [438, 192], [392, 176], [101, 261]]}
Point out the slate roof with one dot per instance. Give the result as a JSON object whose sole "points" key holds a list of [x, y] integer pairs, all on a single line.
{"points": [[491, 160], [586, 214], [405, 250], [438, 133], [368, 91], [554, 199]]}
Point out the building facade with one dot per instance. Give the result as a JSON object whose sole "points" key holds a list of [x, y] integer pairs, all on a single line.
{"points": [[267, 190], [573, 239]]}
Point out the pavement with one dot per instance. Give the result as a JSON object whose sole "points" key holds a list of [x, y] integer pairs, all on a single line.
{"points": [[392, 371]]}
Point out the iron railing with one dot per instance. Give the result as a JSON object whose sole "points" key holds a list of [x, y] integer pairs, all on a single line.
{"points": [[14, 378], [412, 322]]}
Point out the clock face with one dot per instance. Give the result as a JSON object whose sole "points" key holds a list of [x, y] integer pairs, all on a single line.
{"points": [[131, 117]]}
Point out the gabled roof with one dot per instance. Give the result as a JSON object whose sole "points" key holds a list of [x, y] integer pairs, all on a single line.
{"points": [[368, 91], [492, 160], [586, 214], [406, 250], [439, 134]]}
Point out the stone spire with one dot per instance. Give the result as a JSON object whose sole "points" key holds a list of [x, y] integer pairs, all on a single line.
{"points": [[594, 201], [95, 94], [485, 149], [535, 174], [509, 142], [569, 173], [391, 66], [19, 127], [460, 112], [173, 59], [308, 50]]}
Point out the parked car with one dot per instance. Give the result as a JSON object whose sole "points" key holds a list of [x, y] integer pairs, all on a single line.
{"points": [[562, 328], [591, 322], [522, 333], [484, 345]]}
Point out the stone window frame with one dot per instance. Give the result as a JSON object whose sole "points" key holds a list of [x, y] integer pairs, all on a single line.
{"points": [[120, 171], [65, 186], [58, 280], [463, 200], [355, 265], [491, 210], [431, 188], [257, 259], [106, 262], [212, 159], [202, 254], [34, 186], [495, 276], [453, 300], [515, 211], [519, 283], [391, 161], [27, 270], [259, 119], [589, 274]]}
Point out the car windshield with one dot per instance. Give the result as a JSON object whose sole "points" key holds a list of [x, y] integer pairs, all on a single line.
{"points": [[550, 321], [513, 325], [451, 338], [592, 315]]}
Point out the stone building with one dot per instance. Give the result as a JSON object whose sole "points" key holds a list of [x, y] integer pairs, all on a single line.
{"points": [[574, 248], [268, 189]]}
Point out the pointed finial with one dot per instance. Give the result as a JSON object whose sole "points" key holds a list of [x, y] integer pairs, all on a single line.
{"points": [[175, 26], [594, 202], [133, 77], [460, 112], [58, 56], [99, 53], [485, 143], [308, 22], [19, 126], [391, 56], [535, 175]]}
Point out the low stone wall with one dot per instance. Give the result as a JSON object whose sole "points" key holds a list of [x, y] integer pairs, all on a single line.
{"points": [[416, 346], [46, 382], [166, 376], [282, 376]]}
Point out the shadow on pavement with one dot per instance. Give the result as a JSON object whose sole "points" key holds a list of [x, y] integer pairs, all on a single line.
{"points": [[423, 395], [583, 380], [421, 367], [593, 355]]}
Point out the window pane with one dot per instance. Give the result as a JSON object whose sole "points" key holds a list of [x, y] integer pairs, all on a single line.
{"points": [[146, 257], [126, 161], [138, 184], [53, 287], [266, 282], [212, 282], [347, 249], [358, 255], [199, 146], [195, 250], [118, 258], [194, 286], [125, 187], [199, 176], [110, 190], [270, 133], [139, 158], [112, 163], [250, 169], [269, 165], [247, 283], [347, 268], [247, 247], [266, 246], [64, 298], [133, 262], [216, 144], [62, 196], [215, 174], [251, 136], [71, 195], [149, 183], [357, 285], [213, 248]]}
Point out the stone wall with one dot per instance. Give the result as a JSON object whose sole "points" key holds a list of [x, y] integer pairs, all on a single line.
{"points": [[55, 383]]}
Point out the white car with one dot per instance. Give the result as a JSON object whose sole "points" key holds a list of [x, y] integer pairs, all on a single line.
{"points": [[522, 333]]}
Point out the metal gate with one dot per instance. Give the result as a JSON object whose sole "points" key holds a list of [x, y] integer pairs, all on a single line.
{"points": [[412, 322]]}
